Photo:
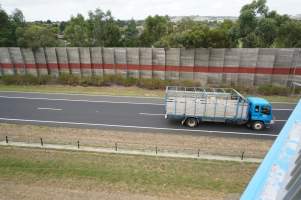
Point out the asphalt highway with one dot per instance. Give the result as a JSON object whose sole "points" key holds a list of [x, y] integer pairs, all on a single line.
{"points": [[121, 113]]}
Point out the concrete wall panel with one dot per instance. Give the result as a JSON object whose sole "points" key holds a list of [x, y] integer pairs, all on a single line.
{"points": [[62, 59], [231, 64], [74, 60], [201, 63], [41, 63], [121, 62], [146, 63], [29, 60], [158, 59], [51, 60], [96, 60], [282, 67], [85, 61], [187, 64], [265, 65], [17, 60], [216, 64], [109, 61], [133, 62], [247, 66], [5, 61], [296, 69], [173, 56]]}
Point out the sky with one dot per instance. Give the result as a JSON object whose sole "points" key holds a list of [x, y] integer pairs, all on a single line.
{"points": [[62, 10]]}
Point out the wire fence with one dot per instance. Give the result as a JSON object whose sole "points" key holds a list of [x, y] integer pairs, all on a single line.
{"points": [[192, 150]]}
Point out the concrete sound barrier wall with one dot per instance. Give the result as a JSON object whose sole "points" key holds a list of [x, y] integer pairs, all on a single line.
{"points": [[247, 66], [173, 56], [146, 63], [6, 63], [158, 58], [17, 60], [296, 68], [29, 61], [62, 59], [51, 59], [85, 61], [96, 60], [74, 61], [121, 62], [109, 61], [265, 65], [133, 62], [216, 64], [282, 66], [187, 64], [41, 63], [231, 63], [201, 65]]}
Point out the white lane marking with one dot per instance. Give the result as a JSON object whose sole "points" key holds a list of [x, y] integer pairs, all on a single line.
{"points": [[54, 109], [79, 94], [289, 103], [81, 100], [136, 127], [151, 114], [280, 109], [280, 120]]}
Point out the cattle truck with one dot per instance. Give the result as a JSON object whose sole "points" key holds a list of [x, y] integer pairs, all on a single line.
{"points": [[194, 105]]}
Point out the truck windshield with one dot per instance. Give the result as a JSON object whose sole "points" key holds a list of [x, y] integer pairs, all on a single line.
{"points": [[266, 110]]}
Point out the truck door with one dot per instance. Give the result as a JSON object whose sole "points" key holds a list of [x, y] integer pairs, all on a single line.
{"points": [[261, 113]]}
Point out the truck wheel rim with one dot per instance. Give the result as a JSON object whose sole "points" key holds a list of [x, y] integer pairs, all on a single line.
{"points": [[258, 126], [191, 123]]}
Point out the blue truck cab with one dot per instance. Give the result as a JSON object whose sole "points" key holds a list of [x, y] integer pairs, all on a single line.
{"points": [[260, 113]]}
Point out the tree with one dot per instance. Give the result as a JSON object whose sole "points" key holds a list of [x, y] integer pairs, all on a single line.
{"points": [[35, 36], [104, 30], [154, 29], [77, 32], [131, 35]]}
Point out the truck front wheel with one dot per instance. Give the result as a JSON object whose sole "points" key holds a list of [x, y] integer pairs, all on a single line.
{"points": [[258, 125], [191, 122]]}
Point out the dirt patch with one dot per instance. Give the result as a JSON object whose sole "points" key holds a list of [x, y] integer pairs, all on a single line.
{"points": [[148, 141]]}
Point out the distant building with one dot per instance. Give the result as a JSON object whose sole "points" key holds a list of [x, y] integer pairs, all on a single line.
{"points": [[204, 18]]}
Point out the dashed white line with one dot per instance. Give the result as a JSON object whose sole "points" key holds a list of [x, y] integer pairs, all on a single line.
{"points": [[81, 100], [136, 127], [283, 109], [151, 114], [54, 109]]}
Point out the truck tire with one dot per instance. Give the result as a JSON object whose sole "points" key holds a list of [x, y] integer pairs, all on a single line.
{"points": [[258, 125], [191, 122]]}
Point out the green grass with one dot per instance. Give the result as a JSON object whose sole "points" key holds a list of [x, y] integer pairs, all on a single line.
{"points": [[115, 91], [139, 173]]}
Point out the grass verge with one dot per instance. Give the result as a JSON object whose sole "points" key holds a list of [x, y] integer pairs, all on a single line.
{"points": [[137, 174]]}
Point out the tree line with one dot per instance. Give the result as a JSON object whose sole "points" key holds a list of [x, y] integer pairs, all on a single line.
{"points": [[256, 27]]}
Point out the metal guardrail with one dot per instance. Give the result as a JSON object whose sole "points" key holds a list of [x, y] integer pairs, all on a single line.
{"points": [[279, 175]]}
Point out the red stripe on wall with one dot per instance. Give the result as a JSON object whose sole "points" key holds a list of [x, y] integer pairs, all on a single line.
{"points": [[246, 70], [19, 65], [298, 71], [200, 69], [146, 67], [41, 66], [74, 65], [108, 66], [85, 65], [121, 66], [96, 66], [158, 68], [7, 65], [63, 66], [52, 65], [281, 70], [30, 66], [263, 70], [133, 67]]}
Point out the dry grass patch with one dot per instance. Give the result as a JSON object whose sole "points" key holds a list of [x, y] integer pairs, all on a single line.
{"points": [[230, 146]]}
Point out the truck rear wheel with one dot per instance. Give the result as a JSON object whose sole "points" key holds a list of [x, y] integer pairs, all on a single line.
{"points": [[258, 126], [191, 122]]}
